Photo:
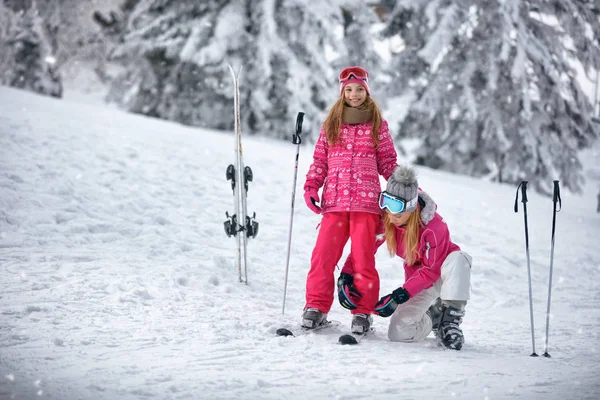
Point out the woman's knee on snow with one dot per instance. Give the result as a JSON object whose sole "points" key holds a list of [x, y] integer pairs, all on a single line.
{"points": [[409, 330]]}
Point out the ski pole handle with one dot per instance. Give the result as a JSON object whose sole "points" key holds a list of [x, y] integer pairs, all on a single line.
{"points": [[296, 139], [556, 196], [523, 186]]}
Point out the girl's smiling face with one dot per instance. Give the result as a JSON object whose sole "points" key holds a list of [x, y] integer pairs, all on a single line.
{"points": [[355, 94]]}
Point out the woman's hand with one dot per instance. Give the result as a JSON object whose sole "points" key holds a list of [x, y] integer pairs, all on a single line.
{"points": [[388, 303]]}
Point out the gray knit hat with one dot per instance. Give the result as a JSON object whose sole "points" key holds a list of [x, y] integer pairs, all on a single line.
{"points": [[403, 183]]}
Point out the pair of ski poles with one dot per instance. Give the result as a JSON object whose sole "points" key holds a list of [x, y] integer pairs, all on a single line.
{"points": [[555, 199]]}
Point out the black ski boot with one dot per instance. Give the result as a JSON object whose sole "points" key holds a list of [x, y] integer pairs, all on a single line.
{"points": [[361, 323], [312, 318], [449, 332], [435, 313]]}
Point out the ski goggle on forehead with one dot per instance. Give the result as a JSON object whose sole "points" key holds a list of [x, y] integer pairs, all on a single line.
{"points": [[356, 72], [394, 204]]}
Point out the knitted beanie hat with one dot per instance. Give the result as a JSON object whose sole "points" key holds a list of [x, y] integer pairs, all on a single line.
{"points": [[403, 183], [354, 75]]}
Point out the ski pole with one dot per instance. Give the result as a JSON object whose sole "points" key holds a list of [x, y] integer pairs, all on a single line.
{"points": [[523, 186], [555, 199], [296, 139]]}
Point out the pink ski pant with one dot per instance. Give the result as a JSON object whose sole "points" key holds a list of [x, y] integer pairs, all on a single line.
{"points": [[336, 228]]}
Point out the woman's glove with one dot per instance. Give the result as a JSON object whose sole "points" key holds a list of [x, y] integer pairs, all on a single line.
{"points": [[388, 303], [311, 197], [348, 295]]}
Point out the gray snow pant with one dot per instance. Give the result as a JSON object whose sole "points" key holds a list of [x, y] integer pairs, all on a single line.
{"points": [[410, 323]]}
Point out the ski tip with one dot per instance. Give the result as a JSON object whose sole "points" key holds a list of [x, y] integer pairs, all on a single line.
{"points": [[347, 339], [233, 73], [284, 332]]}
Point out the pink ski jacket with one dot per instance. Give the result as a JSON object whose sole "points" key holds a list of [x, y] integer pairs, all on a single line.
{"points": [[349, 172], [434, 246]]}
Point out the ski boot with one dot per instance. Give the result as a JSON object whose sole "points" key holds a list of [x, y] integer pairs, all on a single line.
{"points": [[312, 317], [435, 313], [361, 323], [449, 332]]}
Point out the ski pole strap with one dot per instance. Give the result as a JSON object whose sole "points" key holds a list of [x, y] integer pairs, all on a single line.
{"points": [[296, 139], [556, 196], [523, 186]]}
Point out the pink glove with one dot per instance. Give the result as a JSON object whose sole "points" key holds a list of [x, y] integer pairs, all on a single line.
{"points": [[311, 197]]}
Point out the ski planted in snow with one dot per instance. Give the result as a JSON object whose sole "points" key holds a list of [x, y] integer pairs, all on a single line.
{"points": [[354, 338], [302, 330], [240, 224]]}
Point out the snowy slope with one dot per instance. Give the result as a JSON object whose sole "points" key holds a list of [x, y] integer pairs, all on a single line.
{"points": [[118, 281]]}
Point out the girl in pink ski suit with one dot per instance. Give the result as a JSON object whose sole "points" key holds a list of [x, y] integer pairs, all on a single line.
{"points": [[353, 149]]}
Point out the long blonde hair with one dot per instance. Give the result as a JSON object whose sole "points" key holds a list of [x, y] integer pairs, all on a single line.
{"points": [[333, 122], [411, 236]]}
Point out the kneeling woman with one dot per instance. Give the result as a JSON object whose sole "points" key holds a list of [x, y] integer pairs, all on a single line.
{"points": [[437, 273]]}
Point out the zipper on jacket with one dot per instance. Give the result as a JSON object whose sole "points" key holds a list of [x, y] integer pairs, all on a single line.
{"points": [[427, 247]]}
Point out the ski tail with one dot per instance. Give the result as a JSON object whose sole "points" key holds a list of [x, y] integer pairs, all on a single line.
{"points": [[303, 330], [354, 338]]}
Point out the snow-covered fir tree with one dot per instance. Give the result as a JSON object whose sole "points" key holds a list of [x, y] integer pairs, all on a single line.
{"points": [[359, 22], [68, 30], [496, 93], [17, 5], [177, 54], [32, 61], [286, 66], [56, 18], [7, 21]]}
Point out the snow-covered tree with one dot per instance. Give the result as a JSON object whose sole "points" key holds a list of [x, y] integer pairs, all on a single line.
{"points": [[77, 40], [7, 22], [32, 64], [286, 66], [17, 5], [177, 54], [359, 23], [496, 92], [54, 22]]}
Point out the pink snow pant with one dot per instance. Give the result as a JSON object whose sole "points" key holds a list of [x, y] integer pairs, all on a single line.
{"points": [[336, 228]]}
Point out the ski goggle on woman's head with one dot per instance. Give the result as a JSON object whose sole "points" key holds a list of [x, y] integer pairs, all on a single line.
{"points": [[356, 72], [395, 204]]}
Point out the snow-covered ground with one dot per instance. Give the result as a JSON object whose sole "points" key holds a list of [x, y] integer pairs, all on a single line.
{"points": [[118, 282]]}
